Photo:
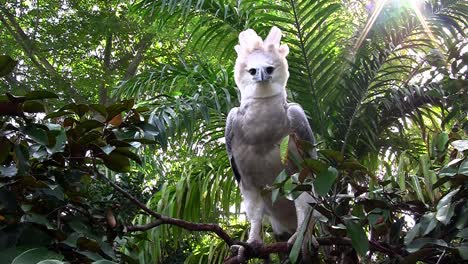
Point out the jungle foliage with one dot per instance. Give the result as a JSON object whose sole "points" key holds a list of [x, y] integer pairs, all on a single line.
{"points": [[140, 94]]}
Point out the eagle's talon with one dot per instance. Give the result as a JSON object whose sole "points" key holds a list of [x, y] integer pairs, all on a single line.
{"points": [[238, 251], [255, 246]]}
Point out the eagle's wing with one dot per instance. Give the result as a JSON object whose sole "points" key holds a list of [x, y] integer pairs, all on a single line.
{"points": [[300, 126], [228, 134]]}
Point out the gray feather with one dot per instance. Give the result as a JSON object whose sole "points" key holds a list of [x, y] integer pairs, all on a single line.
{"points": [[300, 125], [228, 134]]}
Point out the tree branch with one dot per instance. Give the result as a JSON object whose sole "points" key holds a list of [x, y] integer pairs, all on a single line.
{"points": [[250, 253], [142, 46]]}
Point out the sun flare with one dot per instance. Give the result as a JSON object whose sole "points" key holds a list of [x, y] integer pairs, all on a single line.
{"points": [[380, 4]]}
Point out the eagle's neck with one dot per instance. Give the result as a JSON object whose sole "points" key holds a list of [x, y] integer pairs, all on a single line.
{"points": [[262, 91]]}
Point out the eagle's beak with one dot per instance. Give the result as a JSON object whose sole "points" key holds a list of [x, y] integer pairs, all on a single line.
{"points": [[262, 75]]}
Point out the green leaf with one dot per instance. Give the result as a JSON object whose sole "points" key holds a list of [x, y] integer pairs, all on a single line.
{"points": [[463, 169], [316, 166], [50, 261], [284, 149], [129, 154], [445, 213], [35, 255], [358, 237], [37, 134], [33, 107], [463, 233], [448, 171], [118, 108], [353, 165], [332, 155], [463, 251], [104, 261], [36, 95], [5, 149], [7, 64], [117, 162], [274, 194], [58, 113], [90, 125], [21, 157], [460, 145], [281, 177], [325, 180], [447, 198], [60, 141], [36, 218], [463, 217], [419, 243]]}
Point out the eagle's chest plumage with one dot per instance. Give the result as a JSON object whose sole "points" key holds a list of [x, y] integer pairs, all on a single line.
{"points": [[260, 126]]}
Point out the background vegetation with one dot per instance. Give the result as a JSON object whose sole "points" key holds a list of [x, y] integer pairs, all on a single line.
{"points": [[136, 93]]}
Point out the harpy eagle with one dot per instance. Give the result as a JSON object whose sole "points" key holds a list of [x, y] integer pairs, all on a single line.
{"points": [[255, 129]]}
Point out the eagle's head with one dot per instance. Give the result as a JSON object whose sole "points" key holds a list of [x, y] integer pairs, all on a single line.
{"points": [[261, 68]]}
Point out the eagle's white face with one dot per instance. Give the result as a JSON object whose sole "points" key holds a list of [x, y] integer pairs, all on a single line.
{"points": [[261, 68]]}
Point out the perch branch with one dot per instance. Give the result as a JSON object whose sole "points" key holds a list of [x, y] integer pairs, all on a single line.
{"points": [[262, 252]]}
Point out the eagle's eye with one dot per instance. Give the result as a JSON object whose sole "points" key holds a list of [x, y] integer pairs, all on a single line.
{"points": [[270, 70], [252, 71]]}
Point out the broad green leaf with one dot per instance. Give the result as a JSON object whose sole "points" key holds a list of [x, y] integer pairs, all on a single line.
{"points": [[316, 166], [33, 107], [7, 64], [463, 233], [35, 255], [460, 145], [274, 194], [332, 155], [60, 141], [358, 237], [58, 113], [5, 148], [447, 198], [419, 243], [37, 134], [51, 261], [353, 165], [36, 218], [417, 187], [36, 95], [281, 177], [117, 162], [21, 157], [463, 169], [462, 220], [424, 164], [463, 251], [284, 149], [431, 218], [325, 180], [90, 124], [104, 261], [129, 154], [445, 213], [448, 171]]}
